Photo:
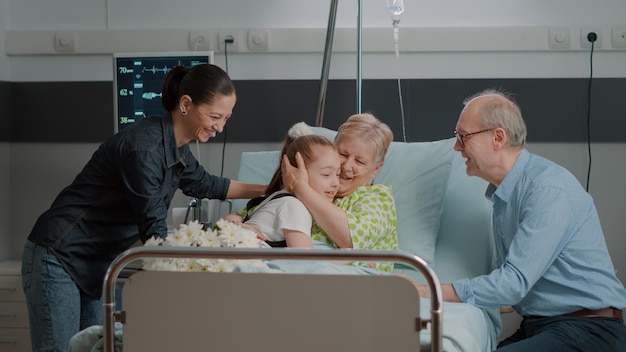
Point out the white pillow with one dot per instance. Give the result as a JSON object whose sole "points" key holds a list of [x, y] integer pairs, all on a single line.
{"points": [[256, 167], [418, 174]]}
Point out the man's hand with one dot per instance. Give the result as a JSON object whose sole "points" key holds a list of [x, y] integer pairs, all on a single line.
{"points": [[423, 290], [448, 293]]}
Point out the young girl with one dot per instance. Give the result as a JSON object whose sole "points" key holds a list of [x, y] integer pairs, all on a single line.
{"points": [[281, 217]]}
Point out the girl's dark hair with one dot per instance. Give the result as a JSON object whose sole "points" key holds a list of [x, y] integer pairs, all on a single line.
{"points": [[304, 146], [202, 83]]}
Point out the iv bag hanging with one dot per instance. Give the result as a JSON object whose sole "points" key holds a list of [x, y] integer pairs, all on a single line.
{"points": [[395, 8]]}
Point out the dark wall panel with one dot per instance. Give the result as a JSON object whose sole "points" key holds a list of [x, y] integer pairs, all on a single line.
{"points": [[62, 111], [555, 109], [5, 111]]}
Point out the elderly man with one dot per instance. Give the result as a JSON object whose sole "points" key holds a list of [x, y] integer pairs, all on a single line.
{"points": [[553, 264]]}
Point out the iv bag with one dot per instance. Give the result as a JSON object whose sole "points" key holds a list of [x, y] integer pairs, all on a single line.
{"points": [[395, 8]]}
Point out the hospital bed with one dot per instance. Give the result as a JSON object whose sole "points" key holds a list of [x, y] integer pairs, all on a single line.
{"points": [[444, 230], [199, 311], [443, 217]]}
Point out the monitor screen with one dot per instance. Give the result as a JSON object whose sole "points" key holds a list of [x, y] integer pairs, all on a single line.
{"points": [[138, 80]]}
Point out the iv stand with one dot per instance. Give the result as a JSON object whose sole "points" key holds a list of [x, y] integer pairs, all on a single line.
{"points": [[330, 32]]}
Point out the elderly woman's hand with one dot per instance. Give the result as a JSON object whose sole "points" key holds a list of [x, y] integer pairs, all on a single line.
{"points": [[293, 176]]}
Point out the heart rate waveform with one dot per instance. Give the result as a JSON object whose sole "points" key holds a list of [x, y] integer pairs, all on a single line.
{"points": [[155, 69]]}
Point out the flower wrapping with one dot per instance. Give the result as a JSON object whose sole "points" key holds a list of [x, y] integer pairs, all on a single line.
{"points": [[224, 234]]}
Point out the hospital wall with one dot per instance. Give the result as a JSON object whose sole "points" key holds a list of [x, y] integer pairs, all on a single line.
{"points": [[448, 50]]}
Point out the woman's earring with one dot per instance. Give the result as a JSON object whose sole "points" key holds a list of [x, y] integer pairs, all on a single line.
{"points": [[370, 181], [184, 113]]}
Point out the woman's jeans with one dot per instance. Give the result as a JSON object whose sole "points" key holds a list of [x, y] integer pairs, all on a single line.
{"points": [[565, 333], [57, 310]]}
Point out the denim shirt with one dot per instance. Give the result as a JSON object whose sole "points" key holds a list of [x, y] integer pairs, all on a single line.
{"points": [[550, 247], [121, 196]]}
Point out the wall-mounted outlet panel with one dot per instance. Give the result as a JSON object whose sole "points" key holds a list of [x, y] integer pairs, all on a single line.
{"points": [[199, 40], [258, 40], [585, 43], [437, 40], [559, 38], [229, 34], [65, 42], [618, 37]]}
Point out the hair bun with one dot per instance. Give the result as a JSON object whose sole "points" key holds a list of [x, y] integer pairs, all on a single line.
{"points": [[299, 129]]}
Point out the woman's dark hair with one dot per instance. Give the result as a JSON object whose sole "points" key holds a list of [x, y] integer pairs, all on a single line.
{"points": [[304, 146], [202, 83]]}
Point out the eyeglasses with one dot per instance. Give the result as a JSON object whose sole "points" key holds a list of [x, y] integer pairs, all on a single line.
{"points": [[460, 137]]}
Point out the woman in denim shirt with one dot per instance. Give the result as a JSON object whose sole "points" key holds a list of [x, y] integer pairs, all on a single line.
{"points": [[121, 196]]}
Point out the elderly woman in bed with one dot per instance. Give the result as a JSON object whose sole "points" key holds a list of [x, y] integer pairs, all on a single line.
{"points": [[363, 214]]}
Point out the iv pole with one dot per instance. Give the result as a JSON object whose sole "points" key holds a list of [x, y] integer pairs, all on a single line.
{"points": [[330, 32]]}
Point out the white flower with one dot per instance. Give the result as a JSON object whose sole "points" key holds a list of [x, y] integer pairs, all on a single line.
{"points": [[154, 241], [299, 129], [226, 234], [249, 241]]}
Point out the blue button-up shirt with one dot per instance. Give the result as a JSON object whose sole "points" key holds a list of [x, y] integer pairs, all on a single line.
{"points": [[121, 196], [551, 254]]}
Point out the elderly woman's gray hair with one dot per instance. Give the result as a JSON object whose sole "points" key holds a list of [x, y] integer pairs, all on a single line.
{"points": [[368, 129]]}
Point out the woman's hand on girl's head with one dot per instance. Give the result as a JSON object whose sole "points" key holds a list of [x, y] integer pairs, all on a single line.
{"points": [[294, 176]]}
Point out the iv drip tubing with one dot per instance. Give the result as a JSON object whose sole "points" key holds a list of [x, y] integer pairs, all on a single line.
{"points": [[395, 39], [402, 111]]}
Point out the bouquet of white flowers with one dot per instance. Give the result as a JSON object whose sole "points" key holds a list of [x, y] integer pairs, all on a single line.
{"points": [[225, 234]]}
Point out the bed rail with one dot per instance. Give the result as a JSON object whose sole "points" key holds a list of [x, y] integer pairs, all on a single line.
{"points": [[133, 254]]}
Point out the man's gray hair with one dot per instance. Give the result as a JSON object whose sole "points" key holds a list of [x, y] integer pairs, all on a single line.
{"points": [[504, 112]]}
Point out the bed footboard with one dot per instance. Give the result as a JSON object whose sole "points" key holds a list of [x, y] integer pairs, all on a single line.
{"points": [[238, 311]]}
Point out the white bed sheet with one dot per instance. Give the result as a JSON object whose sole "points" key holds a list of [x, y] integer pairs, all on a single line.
{"points": [[465, 327]]}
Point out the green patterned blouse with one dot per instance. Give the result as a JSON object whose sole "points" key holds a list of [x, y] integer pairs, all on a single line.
{"points": [[372, 219]]}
